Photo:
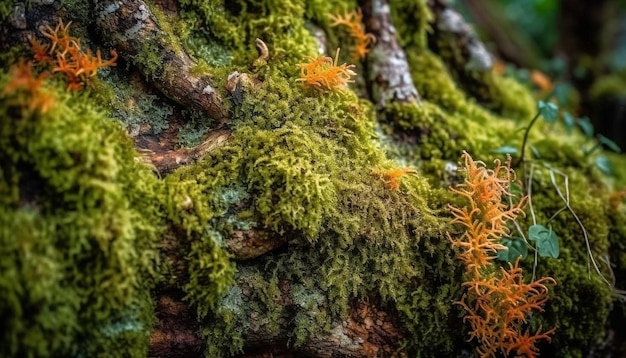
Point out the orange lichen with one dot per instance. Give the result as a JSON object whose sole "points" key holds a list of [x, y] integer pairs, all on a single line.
{"points": [[40, 51], [65, 54], [497, 301], [392, 177], [23, 79], [354, 22], [324, 73], [498, 307], [542, 81]]}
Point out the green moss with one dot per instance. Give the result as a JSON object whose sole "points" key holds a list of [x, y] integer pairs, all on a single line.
{"points": [[149, 60], [412, 20], [236, 24], [80, 219], [6, 8], [300, 165], [579, 307], [608, 86]]}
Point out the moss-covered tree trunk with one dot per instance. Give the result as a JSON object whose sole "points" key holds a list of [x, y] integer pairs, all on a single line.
{"points": [[203, 196]]}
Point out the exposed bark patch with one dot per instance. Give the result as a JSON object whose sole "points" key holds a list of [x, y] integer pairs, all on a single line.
{"points": [[388, 69], [175, 334]]}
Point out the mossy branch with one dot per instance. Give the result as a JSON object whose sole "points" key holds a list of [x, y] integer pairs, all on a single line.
{"points": [[134, 30]]}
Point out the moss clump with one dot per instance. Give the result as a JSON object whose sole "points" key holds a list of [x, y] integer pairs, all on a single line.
{"points": [[300, 166], [79, 219], [235, 25]]}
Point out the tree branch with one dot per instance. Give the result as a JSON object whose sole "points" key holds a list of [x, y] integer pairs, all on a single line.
{"points": [[136, 33]]}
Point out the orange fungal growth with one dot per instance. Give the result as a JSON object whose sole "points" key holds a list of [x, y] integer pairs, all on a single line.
{"points": [[542, 81], [486, 221], [496, 299], [392, 176], [354, 22], [324, 73], [65, 54], [22, 79]]}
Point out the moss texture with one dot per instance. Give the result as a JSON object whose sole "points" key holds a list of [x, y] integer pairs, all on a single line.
{"points": [[81, 216], [80, 221]]}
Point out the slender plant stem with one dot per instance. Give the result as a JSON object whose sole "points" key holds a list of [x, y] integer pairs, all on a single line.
{"points": [[521, 158]]}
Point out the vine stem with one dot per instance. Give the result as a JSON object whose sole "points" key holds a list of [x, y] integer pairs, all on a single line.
{"points": [[521, 158]]}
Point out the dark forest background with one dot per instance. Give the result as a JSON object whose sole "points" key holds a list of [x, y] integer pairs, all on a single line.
{"points": [[579, 44]]}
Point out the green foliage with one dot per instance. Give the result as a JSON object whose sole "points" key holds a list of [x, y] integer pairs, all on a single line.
{"points": [[547, 242], [536, 20], [6, 8], [517, 247], [79, 219], [548, 110]]}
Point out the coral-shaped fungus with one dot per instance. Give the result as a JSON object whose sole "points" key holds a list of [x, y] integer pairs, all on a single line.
{"points": [[392, 177], [65, 54], [23, 80], [497, 301], [354, 22], [323, 73]]}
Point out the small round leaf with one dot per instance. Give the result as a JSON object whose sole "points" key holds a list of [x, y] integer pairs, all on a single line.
{"points": [[516, 248], [547, 241]]}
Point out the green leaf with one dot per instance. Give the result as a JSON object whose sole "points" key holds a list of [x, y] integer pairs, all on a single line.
{"points": [[549, 111], [516, 248], [604, 164], [569, 121], [507, 149], [586, 126], [547, 241], [609, 143]]}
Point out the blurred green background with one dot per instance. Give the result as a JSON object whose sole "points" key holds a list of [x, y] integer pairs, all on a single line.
{"points": [[579, 44]]}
